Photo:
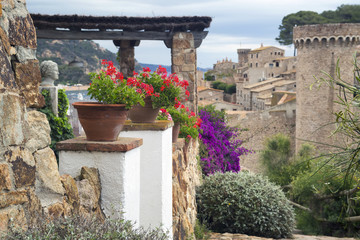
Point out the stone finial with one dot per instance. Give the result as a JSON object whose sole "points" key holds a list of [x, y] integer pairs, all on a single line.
{"points": [[49, 73]]}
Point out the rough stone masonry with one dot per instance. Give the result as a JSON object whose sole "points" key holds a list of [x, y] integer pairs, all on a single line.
{"points": [[30, 184]]}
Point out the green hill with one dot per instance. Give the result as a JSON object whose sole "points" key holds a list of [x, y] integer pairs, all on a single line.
{"points": [[90, 53], [64, 51]]}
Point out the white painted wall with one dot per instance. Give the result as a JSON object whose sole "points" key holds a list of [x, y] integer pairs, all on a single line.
{"points": [[119, 177], [155, 177]]}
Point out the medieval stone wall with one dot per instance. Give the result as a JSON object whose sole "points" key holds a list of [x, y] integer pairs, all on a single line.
{"points": [[319, 48], [30, 184], [186, 176], [257, 127], [211, 94]]}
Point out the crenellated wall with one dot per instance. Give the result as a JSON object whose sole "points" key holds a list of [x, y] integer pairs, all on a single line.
{"points": [[320, 48]]}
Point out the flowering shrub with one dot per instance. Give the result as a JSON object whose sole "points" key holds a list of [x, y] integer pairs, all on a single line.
{"points": [[109, 87], [221, 149], [165, 90]]}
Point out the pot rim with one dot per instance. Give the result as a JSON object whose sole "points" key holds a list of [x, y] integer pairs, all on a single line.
{"points": [[96, 104]]}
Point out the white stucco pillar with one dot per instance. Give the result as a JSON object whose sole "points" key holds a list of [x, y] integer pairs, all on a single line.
{"points": [[155, 172], [118, 163]]}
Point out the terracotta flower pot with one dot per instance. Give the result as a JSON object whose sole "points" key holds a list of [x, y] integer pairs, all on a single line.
{"points": [[175, 132], [101, 122], [144, 114]]}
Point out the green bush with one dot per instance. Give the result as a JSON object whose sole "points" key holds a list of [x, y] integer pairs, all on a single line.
{"points": [[60, 126], [78, 227], [201, 232], [320, 189], [244, 203], [230, 88], [280, 166]]}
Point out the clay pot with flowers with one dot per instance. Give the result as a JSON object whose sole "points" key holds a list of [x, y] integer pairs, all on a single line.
{"points": [[160, 90], [186, 123], [103, 120]]}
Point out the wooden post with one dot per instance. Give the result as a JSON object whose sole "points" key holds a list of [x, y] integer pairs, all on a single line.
{"points": [[126, 56]]}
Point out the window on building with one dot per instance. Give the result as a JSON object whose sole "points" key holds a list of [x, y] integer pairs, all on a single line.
{"points": [[256, 64], [277, 64], [233, 66], [257, 55], [275, 53], [251, 65], [251, 56], [270, 53], [234, 109], [245, 75], [201, 98], [271, 65]]}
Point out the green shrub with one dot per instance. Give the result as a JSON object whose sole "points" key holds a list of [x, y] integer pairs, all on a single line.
{"points": [[77, 227], [320, 189], [230, 88], [280, 166], [244, 203], [201, 232], [60, 126]]}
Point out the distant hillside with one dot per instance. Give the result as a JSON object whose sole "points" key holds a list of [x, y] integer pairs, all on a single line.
{"points": [[64, 51], [90, 53]]}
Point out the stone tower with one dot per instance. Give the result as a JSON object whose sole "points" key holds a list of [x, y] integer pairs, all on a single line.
{"points": [[319, 48], [243, 56]]}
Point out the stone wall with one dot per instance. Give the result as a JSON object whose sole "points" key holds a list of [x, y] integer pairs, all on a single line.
{"points": [[183, 62], [230, 97], [30, 184], [186, 176], [211, 94], [319, 48], [258, 126]]}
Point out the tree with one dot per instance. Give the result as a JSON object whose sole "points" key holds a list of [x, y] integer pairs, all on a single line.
{"points": [[343, 14], [297, 19]]}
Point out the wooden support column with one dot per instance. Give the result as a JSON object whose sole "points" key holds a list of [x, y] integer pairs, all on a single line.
{"points": [[126, 56]]}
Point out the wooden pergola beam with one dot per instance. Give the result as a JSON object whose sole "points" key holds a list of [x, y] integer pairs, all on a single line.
{"points": [[111, 35]]}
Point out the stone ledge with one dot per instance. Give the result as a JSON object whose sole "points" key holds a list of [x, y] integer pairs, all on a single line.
{"points": [[158, 125], [123, 144]]}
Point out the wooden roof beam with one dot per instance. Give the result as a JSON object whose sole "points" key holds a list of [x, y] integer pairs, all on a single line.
{"points": [[112, 35]]}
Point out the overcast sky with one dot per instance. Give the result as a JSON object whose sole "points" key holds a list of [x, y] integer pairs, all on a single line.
{"points": [[235, 23]]}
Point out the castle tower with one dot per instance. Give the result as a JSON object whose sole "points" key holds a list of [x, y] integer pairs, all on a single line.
{"points": [[319, 47], [243, 56]]}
